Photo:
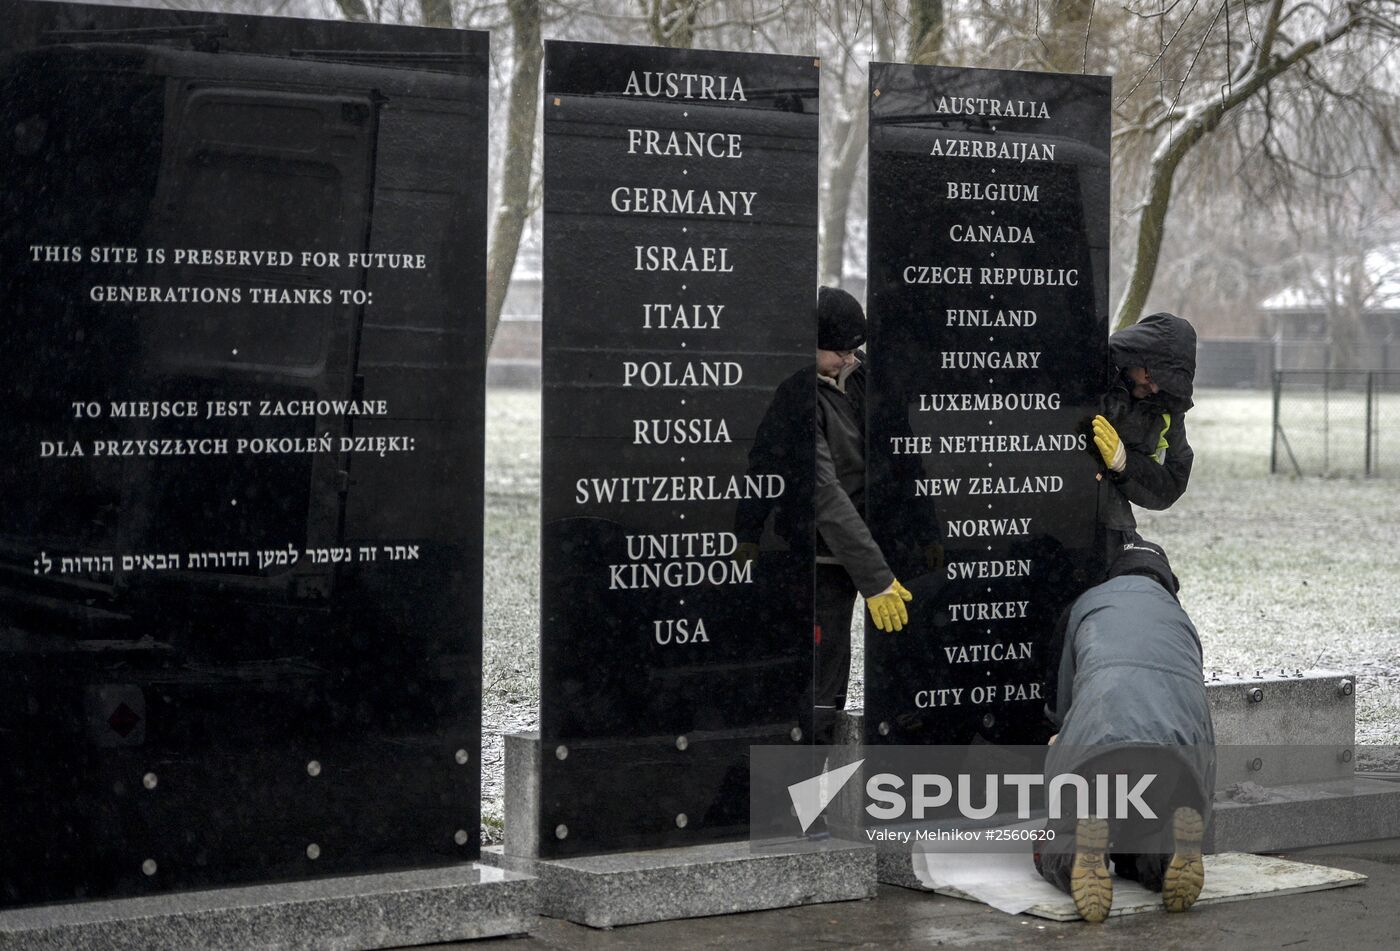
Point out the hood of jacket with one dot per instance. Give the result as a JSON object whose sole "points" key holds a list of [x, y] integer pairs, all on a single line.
{"points": [[1166, 345]]}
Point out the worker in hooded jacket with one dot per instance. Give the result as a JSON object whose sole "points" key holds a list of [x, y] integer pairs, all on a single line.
{"points": [[1140, 433]]}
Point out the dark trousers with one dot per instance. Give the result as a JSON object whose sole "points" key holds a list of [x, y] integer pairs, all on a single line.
{"points": [[1139, 848], [836, 597]]}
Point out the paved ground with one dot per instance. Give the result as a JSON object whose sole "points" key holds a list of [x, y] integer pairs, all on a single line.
{"points": [[1359, 917]]}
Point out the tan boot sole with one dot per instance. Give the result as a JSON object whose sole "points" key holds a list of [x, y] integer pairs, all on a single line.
{"points": [[1089, 884], [1186, 872]]}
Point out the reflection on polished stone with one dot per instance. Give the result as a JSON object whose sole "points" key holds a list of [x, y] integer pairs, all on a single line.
{"points": [[676, 626], [240, 552], [988, 301]]}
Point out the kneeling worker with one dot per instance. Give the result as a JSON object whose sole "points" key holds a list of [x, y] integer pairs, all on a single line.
{"points": [[1131, 699]]}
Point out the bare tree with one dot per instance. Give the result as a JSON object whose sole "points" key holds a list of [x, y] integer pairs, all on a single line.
{"points": [[1288, 36], [513, 209]]}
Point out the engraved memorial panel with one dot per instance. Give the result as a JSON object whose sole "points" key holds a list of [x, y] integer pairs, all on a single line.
{"points": [[988, 302], [680, 272], [242, 270]]}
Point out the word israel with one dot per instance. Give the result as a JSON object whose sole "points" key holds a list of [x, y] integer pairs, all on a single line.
{"points": [[996, 108], [1113, 797], [673, 201], [984, 148], [627, 489], [685, 86]]}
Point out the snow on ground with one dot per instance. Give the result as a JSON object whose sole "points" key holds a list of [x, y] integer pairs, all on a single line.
{"points": [[1278, 573]]}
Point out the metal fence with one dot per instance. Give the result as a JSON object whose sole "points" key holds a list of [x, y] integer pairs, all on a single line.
{"points": [[1336, 422]]}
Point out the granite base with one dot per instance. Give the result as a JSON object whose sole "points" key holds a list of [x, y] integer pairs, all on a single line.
{"points": [[630, 888], [357, 913]]}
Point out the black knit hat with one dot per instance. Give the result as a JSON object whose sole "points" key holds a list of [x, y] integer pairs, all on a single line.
{"points": [[1141, 557], [840, 321]]}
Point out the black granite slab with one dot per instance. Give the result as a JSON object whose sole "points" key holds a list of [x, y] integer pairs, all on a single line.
{"points": [[678, 417], [240, 547], [988, 306]]}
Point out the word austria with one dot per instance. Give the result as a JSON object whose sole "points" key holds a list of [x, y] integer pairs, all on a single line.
{"points": [[684, 86]]}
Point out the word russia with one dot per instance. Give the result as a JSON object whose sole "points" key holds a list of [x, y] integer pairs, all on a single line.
{"points": [[685, 86]]}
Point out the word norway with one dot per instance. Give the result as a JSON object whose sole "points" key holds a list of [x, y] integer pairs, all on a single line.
{"points": [[1112, 799]]}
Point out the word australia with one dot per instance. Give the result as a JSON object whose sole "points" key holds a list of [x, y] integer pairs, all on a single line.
{"points": [[674, 201]]}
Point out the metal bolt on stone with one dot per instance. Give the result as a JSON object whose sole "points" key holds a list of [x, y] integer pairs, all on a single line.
{"points": [[562, 752], [461, 837], [561, 831], [148, 867], [150, 780], [313, 768], [796, 734], [461, 756], [682, 743], [1256, 764], [1346, 688], [682, 821], [989, 721], [313, 851], [1256, 695], [1346, 756], [884, 729]]}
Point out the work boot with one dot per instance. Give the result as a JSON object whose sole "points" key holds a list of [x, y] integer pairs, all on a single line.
{"points": [[1089, 883], [1186, 872]]}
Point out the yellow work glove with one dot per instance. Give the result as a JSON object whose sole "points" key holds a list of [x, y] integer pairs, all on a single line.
{"points": [[887, 608], [1110, 446]]}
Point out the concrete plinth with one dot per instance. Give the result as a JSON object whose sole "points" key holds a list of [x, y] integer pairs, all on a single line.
{"points": [[333, 914], [630, 888], [1305, 815], [627, 888]]}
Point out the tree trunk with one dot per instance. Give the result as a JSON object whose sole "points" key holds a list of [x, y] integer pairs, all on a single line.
{"points": [[354, 10], [926, 24], [672, 22], [840, 181], [1067, 35], [511, 213], [437, 12]]}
